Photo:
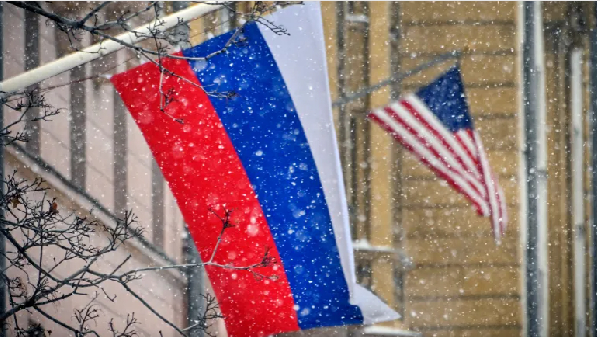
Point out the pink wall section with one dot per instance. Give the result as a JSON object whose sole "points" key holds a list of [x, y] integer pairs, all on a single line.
{"points": [[163, 291]]}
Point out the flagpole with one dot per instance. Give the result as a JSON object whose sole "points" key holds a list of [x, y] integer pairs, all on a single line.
{"points": [[396, 79], [101, 49]]}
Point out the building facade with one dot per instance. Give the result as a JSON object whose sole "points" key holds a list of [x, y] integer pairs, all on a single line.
{"points": [[418, 244]]}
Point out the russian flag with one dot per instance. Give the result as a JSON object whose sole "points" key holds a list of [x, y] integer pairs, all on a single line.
{"points": [[268, 154]]}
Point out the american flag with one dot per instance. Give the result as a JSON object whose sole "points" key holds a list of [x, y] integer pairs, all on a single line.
{"points": [[434, 124]]}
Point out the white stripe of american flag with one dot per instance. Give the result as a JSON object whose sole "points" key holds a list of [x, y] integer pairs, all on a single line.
{"points": [[496, 211], [499, 225], [505, 212]]}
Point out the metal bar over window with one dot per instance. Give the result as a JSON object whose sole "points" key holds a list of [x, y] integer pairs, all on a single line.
{"points": [[593, 222]]}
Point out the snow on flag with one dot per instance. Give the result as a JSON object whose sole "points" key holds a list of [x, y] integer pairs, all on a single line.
{"points": [[269, 154], [435, 125]]}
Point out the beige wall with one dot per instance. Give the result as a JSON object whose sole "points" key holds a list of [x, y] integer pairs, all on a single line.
{"points": [[162, 291]]}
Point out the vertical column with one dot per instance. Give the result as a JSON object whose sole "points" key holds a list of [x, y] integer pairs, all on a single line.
{"points": [[341, 83], [535, 162], [158, 182], [397, 149], [381, 151], [158, 205], [195, 276], [356, 147], [365, 125], [32, 61], [3, 297], [396, 156], [195, 284], [119, 153], [559, 250], [329, 26], [381, 142], [77, 123]]}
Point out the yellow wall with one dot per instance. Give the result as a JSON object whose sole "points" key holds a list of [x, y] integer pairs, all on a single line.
{"points": [[461, 283], [461, 280]]}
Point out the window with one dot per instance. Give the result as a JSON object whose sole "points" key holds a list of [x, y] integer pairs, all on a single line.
{"points": [[399, 278], [364, 273], [35, 329]]}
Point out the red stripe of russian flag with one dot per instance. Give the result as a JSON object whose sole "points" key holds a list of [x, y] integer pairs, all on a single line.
{"points": [[192, 158]]}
